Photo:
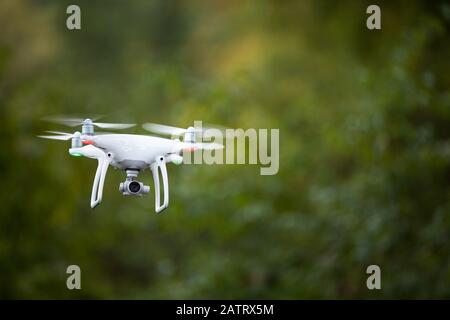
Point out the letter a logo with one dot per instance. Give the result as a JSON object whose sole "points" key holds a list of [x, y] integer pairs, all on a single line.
{"points": [[74, 280], [74, 20], [374, 20], [374, 280]]}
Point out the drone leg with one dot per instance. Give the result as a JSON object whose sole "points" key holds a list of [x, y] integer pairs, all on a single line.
{"points": [[160, 164], [93, 152], [99, 181], [94, 201]]}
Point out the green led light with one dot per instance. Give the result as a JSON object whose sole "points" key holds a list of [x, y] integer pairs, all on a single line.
{"points": [[76, 154], [177, 162]]}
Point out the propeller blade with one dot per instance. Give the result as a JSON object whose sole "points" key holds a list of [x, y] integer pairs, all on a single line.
{"points": [[97, 133], [60, 133], [56, 137], [71, 122], [163, 129], [207, 131], [113, 125]]}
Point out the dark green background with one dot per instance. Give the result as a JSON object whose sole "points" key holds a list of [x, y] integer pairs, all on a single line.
{"points": [[364, 119]]}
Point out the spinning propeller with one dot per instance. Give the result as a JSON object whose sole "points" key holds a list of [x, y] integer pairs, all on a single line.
{"points": [[65, 135], [205, 131], [189, 143], [61, 135], [168, 130], [73, 122]]}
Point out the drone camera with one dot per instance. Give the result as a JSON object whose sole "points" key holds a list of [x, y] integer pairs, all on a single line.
{"points": [[133, 188]]}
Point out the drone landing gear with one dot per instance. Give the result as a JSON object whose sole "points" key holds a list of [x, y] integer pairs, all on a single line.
{"points": [[160, 165], [103, 162]]}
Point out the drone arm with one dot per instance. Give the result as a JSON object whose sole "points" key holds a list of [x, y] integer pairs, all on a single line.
{"points": [[103, 162], [160, 164]]}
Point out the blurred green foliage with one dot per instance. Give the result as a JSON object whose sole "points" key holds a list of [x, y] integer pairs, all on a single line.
{"points": [[364, 140]]}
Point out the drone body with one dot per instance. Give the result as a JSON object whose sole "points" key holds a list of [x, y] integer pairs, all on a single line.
{"points": [[129, 151], [132, 153]]}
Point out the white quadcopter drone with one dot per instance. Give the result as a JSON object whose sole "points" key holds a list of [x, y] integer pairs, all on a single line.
{"points": [[130, 152]]}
